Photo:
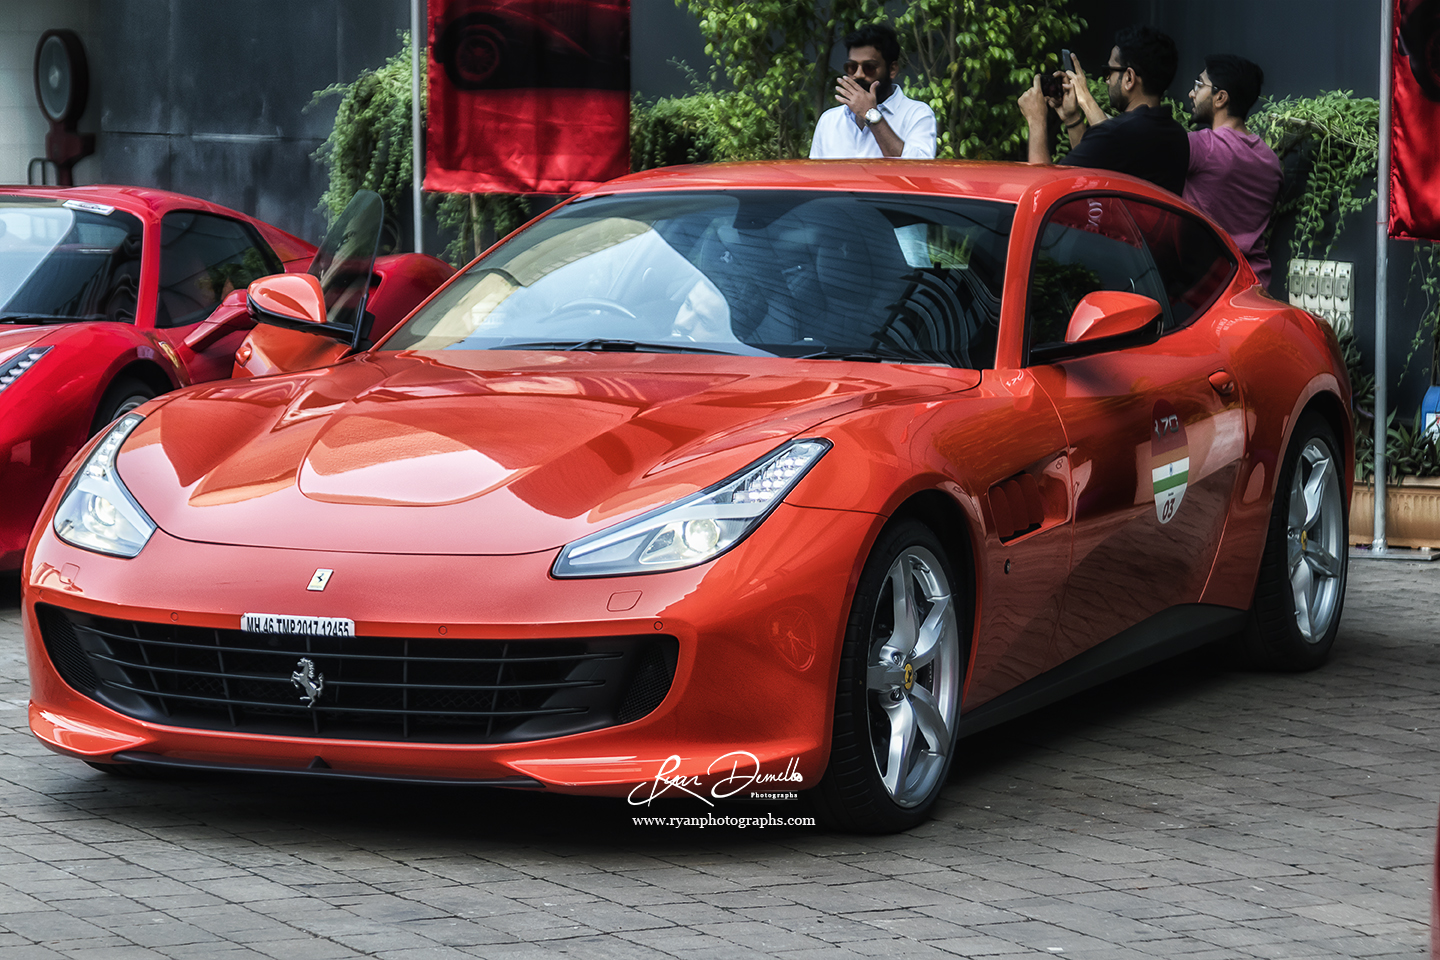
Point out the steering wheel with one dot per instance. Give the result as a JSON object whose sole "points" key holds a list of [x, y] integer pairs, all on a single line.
{"points": [[594, 303]]}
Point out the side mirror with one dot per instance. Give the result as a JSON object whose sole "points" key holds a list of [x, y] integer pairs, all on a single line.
{"points": [[1110, 313], [230, 316], [287, 299]]}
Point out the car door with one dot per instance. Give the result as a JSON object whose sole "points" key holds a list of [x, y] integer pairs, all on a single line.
{"points": [[1153, 422]]}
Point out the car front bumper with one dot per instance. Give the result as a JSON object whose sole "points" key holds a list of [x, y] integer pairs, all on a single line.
{"points": [[758, 632]]}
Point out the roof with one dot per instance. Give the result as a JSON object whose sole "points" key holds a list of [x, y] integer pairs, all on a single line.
{"points": [[973, 178]]}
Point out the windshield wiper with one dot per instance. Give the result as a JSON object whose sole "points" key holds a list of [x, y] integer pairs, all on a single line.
{"points": [[866, 356], [38, 318], [604, 344]]}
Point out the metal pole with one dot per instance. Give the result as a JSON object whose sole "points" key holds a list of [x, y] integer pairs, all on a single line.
{"points": [[1382, 236], [418, 44]]}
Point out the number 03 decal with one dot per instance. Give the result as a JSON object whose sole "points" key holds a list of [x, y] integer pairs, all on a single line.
{"points": [[1169, 461]]}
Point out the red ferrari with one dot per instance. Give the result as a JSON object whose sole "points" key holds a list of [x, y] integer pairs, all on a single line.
{"points": [[112, 295], [745, 480]]}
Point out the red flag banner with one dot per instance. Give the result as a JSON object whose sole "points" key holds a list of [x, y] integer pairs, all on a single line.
{"points": [[1414, 121], [527, 96]]}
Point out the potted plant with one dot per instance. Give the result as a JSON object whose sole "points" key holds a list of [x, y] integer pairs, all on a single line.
{"points": [[1412, 487]]}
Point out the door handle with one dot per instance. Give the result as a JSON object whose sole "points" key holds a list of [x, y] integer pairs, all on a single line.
{"points": [[1223, 383]]}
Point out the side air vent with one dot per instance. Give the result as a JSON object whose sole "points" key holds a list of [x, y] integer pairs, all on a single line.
{"points": [[1016, 506]]}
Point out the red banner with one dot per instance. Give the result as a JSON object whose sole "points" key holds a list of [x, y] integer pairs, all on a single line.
{"points": [[527, 96], [1415, 121]]}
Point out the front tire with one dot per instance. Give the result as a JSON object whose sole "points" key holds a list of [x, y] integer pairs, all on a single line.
{"points": [[122, 397], [1301, 587], [897, 703]]}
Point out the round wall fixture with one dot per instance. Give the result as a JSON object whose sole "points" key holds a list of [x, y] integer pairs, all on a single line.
{"points": [[62, 76], [62, 85]]}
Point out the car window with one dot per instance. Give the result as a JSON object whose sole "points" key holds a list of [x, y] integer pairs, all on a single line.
{"points": [[1194, 264], [202, 259], [1087, 244], [60, 262], [784, 273]]}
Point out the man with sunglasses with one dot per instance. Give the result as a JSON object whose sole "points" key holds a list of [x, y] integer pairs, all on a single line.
{"points": [[1234, 176], [1144, 140], [875, 118]]}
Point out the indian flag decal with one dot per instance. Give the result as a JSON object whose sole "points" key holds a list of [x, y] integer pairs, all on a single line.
{"points": [[1169, 461]]}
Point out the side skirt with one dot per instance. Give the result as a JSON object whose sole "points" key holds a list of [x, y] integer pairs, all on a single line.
{"points": [[1169, 633]]}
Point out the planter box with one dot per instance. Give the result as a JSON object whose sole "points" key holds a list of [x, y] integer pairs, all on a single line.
{"points": [[1412, 513]]}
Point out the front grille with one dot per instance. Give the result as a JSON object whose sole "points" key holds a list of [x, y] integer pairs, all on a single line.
{"points": [[427, 690]]}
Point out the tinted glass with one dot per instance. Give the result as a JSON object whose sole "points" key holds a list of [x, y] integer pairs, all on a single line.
{"points": [[202, 259], [1194, 264], [760, 273], [1088, 244], [61, 262], [345, 262]]}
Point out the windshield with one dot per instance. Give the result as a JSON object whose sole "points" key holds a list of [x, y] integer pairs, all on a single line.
{"points": [[781, 273], [67, 261]]}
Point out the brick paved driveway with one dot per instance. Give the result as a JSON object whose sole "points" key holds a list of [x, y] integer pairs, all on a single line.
{"points": [[1186, 812]]}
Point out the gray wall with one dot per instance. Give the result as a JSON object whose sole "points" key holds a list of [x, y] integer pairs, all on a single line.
{"points": [[211, 99]]}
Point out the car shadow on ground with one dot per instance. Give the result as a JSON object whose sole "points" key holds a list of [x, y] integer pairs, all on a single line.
{"points": [[488, 821]]}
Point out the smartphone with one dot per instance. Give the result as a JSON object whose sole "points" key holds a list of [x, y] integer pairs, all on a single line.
{"points": [[1052, 86], [1067, 62]]}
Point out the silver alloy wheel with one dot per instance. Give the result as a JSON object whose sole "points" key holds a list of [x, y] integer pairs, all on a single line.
{"points": [[1315, 541], [913, 677]]}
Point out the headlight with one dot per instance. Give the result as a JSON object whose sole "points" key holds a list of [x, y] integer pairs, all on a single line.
{"points": [[696, 529], [97, 512], [11, 369]]}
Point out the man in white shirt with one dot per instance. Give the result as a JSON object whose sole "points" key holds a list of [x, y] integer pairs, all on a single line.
{"points": [[875, 118]]}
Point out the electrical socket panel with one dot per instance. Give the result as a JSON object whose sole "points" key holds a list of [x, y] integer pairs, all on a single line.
{"points": [[1325, 288]]}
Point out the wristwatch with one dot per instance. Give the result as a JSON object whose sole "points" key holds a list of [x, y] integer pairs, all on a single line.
{"points": [[872, 117]]}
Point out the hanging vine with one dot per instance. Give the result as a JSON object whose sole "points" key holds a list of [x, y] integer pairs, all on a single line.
{"points": [[1335, 137]]}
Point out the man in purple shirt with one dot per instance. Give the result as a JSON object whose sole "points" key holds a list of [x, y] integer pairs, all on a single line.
{"points": [[1234, 177]]}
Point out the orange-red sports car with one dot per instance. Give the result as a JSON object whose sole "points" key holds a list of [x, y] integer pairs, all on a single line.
{"points": [[715, 481]]}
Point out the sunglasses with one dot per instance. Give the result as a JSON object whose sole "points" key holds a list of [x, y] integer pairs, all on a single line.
{"points": [[869, 67], [1111, 69]]}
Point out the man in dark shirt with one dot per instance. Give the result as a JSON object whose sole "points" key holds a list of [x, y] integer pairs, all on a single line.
{"points": [[1144, 140]]}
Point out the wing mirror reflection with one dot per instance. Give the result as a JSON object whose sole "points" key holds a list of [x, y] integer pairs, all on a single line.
{"points": [[1110, 313]]}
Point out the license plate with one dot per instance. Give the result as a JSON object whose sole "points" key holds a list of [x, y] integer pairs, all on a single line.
{"points": [[303, 626]]}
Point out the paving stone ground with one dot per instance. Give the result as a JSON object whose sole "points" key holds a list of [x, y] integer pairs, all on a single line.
{"points": [[1187, 812]]}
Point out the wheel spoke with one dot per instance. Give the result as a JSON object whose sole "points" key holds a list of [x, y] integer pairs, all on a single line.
{"points": [[1315, 490], [1301, 584], [929, 720], [931, 633], [902, 586], [902, 744], [886, 675], [1322, 561]]}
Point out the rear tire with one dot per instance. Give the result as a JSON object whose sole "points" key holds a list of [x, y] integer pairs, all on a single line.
{"points": [[1301, 587], [897, 702]]}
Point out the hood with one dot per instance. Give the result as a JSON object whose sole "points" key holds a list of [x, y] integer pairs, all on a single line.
{"points": [[484, 452], [14, 338]]}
